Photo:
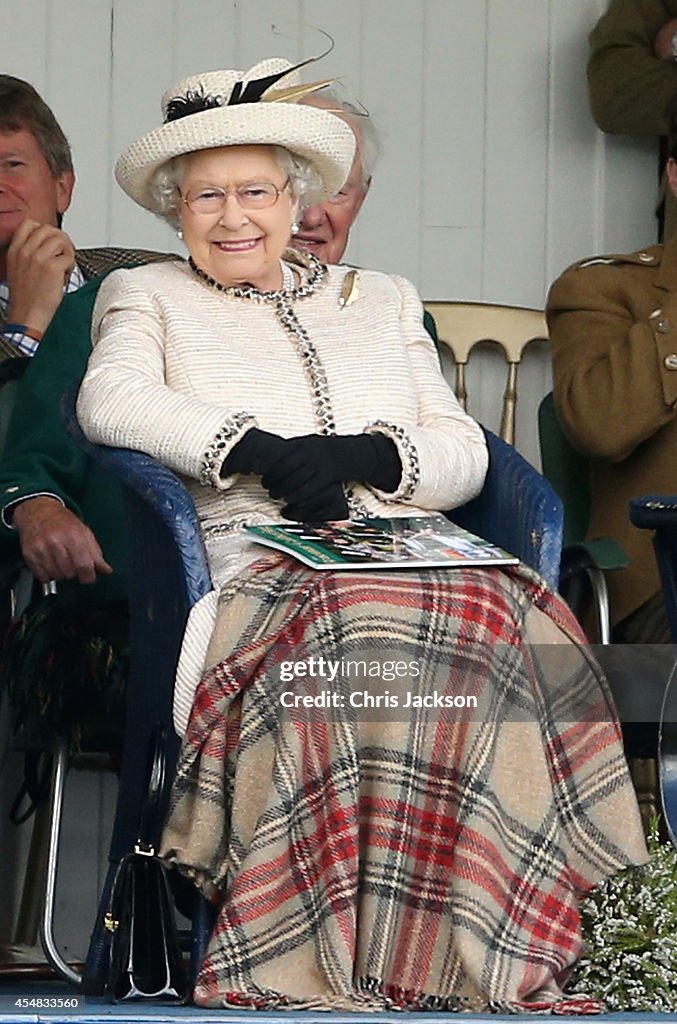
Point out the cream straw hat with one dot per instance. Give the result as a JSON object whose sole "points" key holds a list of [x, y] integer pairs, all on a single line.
{"points": [[234, 108]]}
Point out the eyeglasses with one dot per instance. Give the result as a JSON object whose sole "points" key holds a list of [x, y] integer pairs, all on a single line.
{"points": [[211, 199]]}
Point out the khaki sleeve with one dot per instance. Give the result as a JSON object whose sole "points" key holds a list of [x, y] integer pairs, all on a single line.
{"points": [[612, 386], [629, 87]]}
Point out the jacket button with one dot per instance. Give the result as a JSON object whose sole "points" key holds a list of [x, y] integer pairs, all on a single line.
{"points": [[664, 326], [670, 362]]}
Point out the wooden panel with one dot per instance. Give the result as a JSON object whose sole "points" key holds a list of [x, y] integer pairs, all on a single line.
{"points": [[136, 91], [25, 48], [392, 48], [204, 37], [343, 22], [516, 86], [86, 122], [573, 141], [451, 263], [269, 28], [630, 193], [453, 72]]}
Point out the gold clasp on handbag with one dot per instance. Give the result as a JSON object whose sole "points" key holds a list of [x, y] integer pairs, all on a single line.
{"points": [[109, 922], [145, 849]]}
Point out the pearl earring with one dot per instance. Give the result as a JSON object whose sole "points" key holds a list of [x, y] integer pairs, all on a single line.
{"points": [[179, 233], [295, 228]]}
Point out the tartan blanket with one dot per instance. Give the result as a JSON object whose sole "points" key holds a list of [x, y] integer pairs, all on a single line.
{"points": [[412, 856]]}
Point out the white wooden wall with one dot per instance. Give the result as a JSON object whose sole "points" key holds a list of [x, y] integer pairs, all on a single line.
{"points": [[493, 177]]}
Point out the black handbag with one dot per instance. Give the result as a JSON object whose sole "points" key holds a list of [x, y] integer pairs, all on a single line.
{"points": [[145, 956]]}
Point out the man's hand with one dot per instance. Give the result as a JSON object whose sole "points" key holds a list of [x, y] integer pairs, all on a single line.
{"points": [[663, 41], [55, 544], [40, 258]]}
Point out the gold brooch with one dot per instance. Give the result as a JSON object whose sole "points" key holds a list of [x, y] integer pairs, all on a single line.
{"points": [[350, 291]]}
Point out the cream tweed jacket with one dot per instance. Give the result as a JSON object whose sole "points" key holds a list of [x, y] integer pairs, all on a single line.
{"points": [[177, 364]]}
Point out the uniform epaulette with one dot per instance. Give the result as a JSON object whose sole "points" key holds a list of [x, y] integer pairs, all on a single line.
{"points": [[641, 258]]}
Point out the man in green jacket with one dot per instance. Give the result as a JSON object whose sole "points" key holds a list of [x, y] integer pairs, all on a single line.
{"points": [[632, 74], [38, 264], [73, 510]]}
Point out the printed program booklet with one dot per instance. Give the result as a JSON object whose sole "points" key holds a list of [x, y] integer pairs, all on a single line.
{"points": [[415, 542]]}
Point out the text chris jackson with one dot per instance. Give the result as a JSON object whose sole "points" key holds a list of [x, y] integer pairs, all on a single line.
{"points": [[365, 699]]}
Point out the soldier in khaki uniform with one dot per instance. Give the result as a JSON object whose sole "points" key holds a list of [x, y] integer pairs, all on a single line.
{"points": [[632, 73], [613, 329]]}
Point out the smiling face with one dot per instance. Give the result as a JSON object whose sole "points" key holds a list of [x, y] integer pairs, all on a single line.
{"points": [[236, 245], [325, 228], [27, 186]]}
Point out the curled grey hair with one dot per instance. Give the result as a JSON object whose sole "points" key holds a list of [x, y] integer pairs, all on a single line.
{"points": [[164, 185], [363, 126]]}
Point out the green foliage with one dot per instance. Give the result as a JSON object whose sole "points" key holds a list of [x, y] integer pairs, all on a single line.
{"points": [[630, 931]]}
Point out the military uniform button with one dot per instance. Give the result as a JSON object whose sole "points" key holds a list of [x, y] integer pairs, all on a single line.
{"points": [[664, 326], [645, 257], [670, 362]]}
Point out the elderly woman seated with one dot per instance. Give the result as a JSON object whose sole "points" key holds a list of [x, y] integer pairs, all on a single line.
{"points": [[422, 859]]}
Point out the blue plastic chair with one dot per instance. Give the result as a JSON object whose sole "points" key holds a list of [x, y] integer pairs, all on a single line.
{"points": [[169, 574], [659, 513], [517, 509]]}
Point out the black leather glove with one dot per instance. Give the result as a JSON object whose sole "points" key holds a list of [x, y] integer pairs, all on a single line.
{"points": [[328, 504], [256, 452], [310, 463]]}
